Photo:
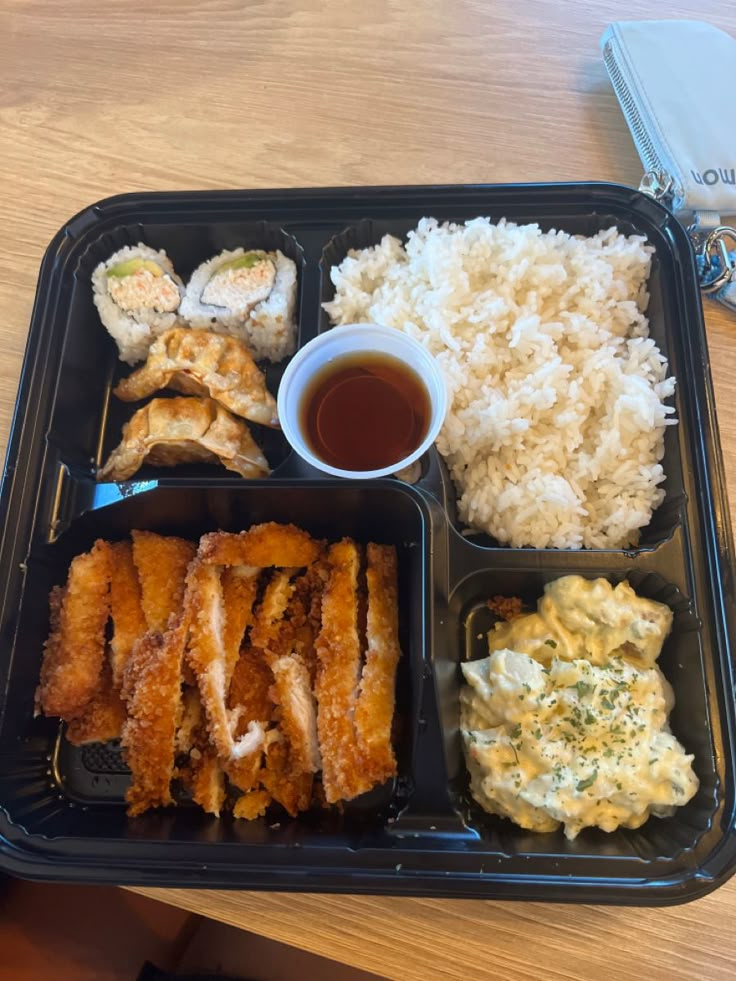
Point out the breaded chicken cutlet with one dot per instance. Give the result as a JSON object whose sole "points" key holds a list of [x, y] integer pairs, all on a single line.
{"points": [[103, 716], [126, 606], [338, 650], [255, 662], [263, 546], [374, 711], [75, 650], [153, 705], [161, 562]]}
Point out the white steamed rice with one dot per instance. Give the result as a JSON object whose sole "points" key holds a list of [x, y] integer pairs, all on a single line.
{"points": [[557, 417]]}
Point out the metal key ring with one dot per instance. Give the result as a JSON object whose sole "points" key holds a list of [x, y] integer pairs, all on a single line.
{"points": [[716, 240]]}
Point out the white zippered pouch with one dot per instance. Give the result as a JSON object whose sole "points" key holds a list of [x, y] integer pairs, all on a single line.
{"points": [[674, 80]]}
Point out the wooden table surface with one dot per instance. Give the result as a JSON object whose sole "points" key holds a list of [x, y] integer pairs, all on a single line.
{"points": [[97, 99]]}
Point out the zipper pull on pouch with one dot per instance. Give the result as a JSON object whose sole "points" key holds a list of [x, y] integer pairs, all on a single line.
{"points": [[674, 82]]}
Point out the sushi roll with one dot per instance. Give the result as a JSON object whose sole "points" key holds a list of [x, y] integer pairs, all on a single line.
{"points": [[249, 294], [137, 295]]}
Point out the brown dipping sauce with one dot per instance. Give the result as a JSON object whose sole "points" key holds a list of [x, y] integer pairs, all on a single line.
{"points": [[364, 411]]}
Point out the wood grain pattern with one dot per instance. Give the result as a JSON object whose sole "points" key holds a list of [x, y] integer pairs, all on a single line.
{"points": [[98, 99], [426, 939]]}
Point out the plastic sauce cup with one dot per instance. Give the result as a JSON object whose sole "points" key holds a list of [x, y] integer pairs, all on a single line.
{"points": [[351, 339]]}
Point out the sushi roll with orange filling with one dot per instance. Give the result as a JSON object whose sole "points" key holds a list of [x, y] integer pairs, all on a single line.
{"points": [[250, 294], [137, 295]]}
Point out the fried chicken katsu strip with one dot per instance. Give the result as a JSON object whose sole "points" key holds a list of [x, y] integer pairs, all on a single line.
{"points": [[154, 697], [206, 650], [338, 648], [268, 625], [295, 671], [305, 615], [292, 692], [239, 588], [135, 664], [243, 773], [375, 709], [249, 688], [75, 650], [251, 805], [103, 715], [207, 780], [280, 616], [208, 659], [264, 694], [129, 622], [249, 702], [52, 653], [202, 773], [283, 780], [209, 646], [162, 562], [279, 677], [152, 678], [262, 545], [274, 633], [189, 720]]}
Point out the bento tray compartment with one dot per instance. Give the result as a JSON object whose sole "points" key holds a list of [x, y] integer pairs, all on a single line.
{"points": [[661, 314], [681, 661], [386, 512], [88, 419]]}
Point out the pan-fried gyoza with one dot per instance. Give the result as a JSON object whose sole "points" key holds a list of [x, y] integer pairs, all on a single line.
{"points": [[166, 432], [198, 362]]}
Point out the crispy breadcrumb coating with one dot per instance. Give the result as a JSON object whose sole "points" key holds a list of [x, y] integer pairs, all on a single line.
{"points": [[262, 545], [375, 709], [162, 562], [75, 650]]}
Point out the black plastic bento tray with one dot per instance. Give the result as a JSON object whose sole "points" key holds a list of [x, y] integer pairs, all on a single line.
{"points": [[62, 815]]}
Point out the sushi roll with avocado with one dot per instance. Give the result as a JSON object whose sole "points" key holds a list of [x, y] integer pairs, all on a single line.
{"points": [[250, 294], [137, 295]]}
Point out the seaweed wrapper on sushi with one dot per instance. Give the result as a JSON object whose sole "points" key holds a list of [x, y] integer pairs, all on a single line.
{"points": [[250, 294], [137, 295]]}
